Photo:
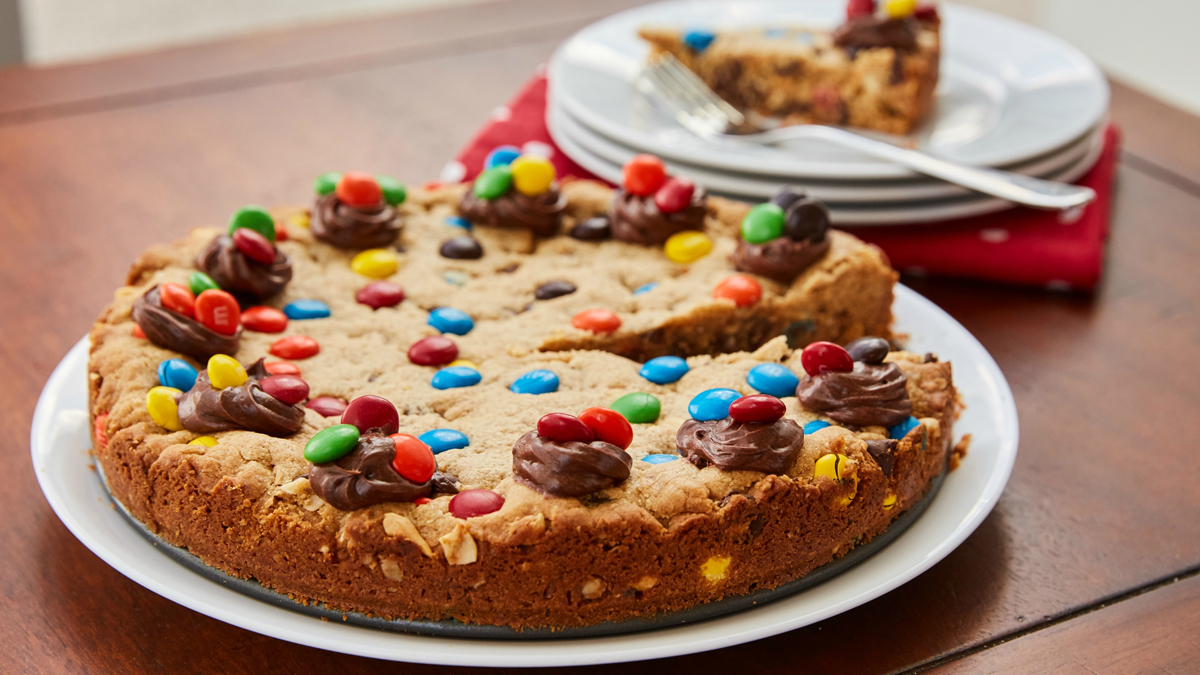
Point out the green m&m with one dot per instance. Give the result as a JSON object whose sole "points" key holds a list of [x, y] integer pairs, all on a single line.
{"points": [[331, 444], [394, 191], [493, 183], [638, 407], [255, 218], [326, 183], [763, 223], [198, 282]]}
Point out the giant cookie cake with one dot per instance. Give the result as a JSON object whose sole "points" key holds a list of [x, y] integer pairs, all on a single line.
{"points": [[516, 402]]}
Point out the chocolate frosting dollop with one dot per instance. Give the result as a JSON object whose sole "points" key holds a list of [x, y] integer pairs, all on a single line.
{"points": [[571, 469], [173, 330], [355, 227], [781, 259], [203, 410], [730, 445], [868, 30], [540, 214], [636, 219], [869, 395], [365, 477], [241, 276]]}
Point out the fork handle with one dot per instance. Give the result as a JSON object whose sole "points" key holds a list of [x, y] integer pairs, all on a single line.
{"points": [[1014, 187]]}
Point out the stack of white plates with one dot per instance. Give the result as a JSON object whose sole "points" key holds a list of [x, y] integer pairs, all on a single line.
{"points": [[1010, 96]]}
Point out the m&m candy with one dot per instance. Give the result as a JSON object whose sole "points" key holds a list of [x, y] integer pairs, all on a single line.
{"points": [[326, 183], [825, 357], [287, 388], [763, 223], [473, 503], [712, 404], [198, 282], [394, 192], [815, 426], [263, 319], [455, 377], [177, 299], [450, 320], [757, 408], [380, 294], [501, 156], [461, 248], [774, 379], [872, 350], [532, 175], [859, 7], [674, 195], [441, 440], [254, 246], [687, 246], [255, 218], [597, 320], [433, 351], [206, 441], [177, 374], [459, 221], [356, 188], [372, 413], [740, 289], [609, 426], [596, 228], [664, 369], [295, 347], [698, 40], [219, 312], [643, 175], [306, 309], [326, 406], [565, 428], [899, 9], [413, 459], [638, 407], [464, 362], [645, 288], [493, 183], [902, 429], [225, 371], [553, 289], [659, 458], [163, 408], [539, 381], [376, 263], [331, 443], [281, 368]]}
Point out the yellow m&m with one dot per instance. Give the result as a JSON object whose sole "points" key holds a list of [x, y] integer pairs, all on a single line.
{"points": [[687, 246], [899, 9], [207, 441], [376, 263], [225, 371], [160, 403], [464, 363], [839, 469], [532, 175]]}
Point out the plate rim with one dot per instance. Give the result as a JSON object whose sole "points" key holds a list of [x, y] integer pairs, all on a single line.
{"points": [[845, 170], [731, 630]]}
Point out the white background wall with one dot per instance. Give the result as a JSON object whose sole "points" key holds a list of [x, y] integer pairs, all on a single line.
{"points": [[1150, 44]]}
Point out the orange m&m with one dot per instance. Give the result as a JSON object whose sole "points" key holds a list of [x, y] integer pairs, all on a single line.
{"points": [[597, 320], [609, 426], [414, 460], [177, 299], [741, 289], [218, 311], [356, 188]]}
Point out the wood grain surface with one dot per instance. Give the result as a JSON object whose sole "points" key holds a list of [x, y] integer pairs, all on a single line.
{"points": [[100, 160]]}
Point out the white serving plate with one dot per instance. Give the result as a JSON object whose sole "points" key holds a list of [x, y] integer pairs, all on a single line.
{"points": [[561, 124], [841, 214], [63, 467], [1008, 92]]}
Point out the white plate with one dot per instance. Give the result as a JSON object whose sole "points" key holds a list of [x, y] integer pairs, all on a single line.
{"points": [[841, 214], [59, 441], [62, 464], [1008, 92], [763, 186]]}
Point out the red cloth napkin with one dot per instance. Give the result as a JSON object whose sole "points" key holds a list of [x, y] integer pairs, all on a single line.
{"points": [[1060, 251]]}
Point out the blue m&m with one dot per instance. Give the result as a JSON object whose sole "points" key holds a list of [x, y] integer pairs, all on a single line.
{"points": [[459, 221], [664, 369], [659, 459], [177, 374], [450, 320], [774, 379], [306, 309], [502, 155], [645, 288], [455, 377], [815, 426], [901, 430], [712, 404], [441, 440], [538, 381], [698, 40]]}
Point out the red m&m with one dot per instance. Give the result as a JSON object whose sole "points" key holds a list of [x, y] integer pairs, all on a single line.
{"points": [[609, 426], [218, 311], [254, 246], [263, 319], [472, 503], [177, 299], [644, 174], [742, 290], [435, 350], [565, 428], [378, 294], [674, 195], [295, 347], [760, 408], [372, 413], [287, 388], [326, 406], [825, 357], [413, 460], [356, 188]]}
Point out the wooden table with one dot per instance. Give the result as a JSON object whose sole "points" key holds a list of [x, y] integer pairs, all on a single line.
{"points": [[1088, 563]]}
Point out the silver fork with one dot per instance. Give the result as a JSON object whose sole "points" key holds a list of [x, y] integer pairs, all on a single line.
{"points": [[699, 110]]}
